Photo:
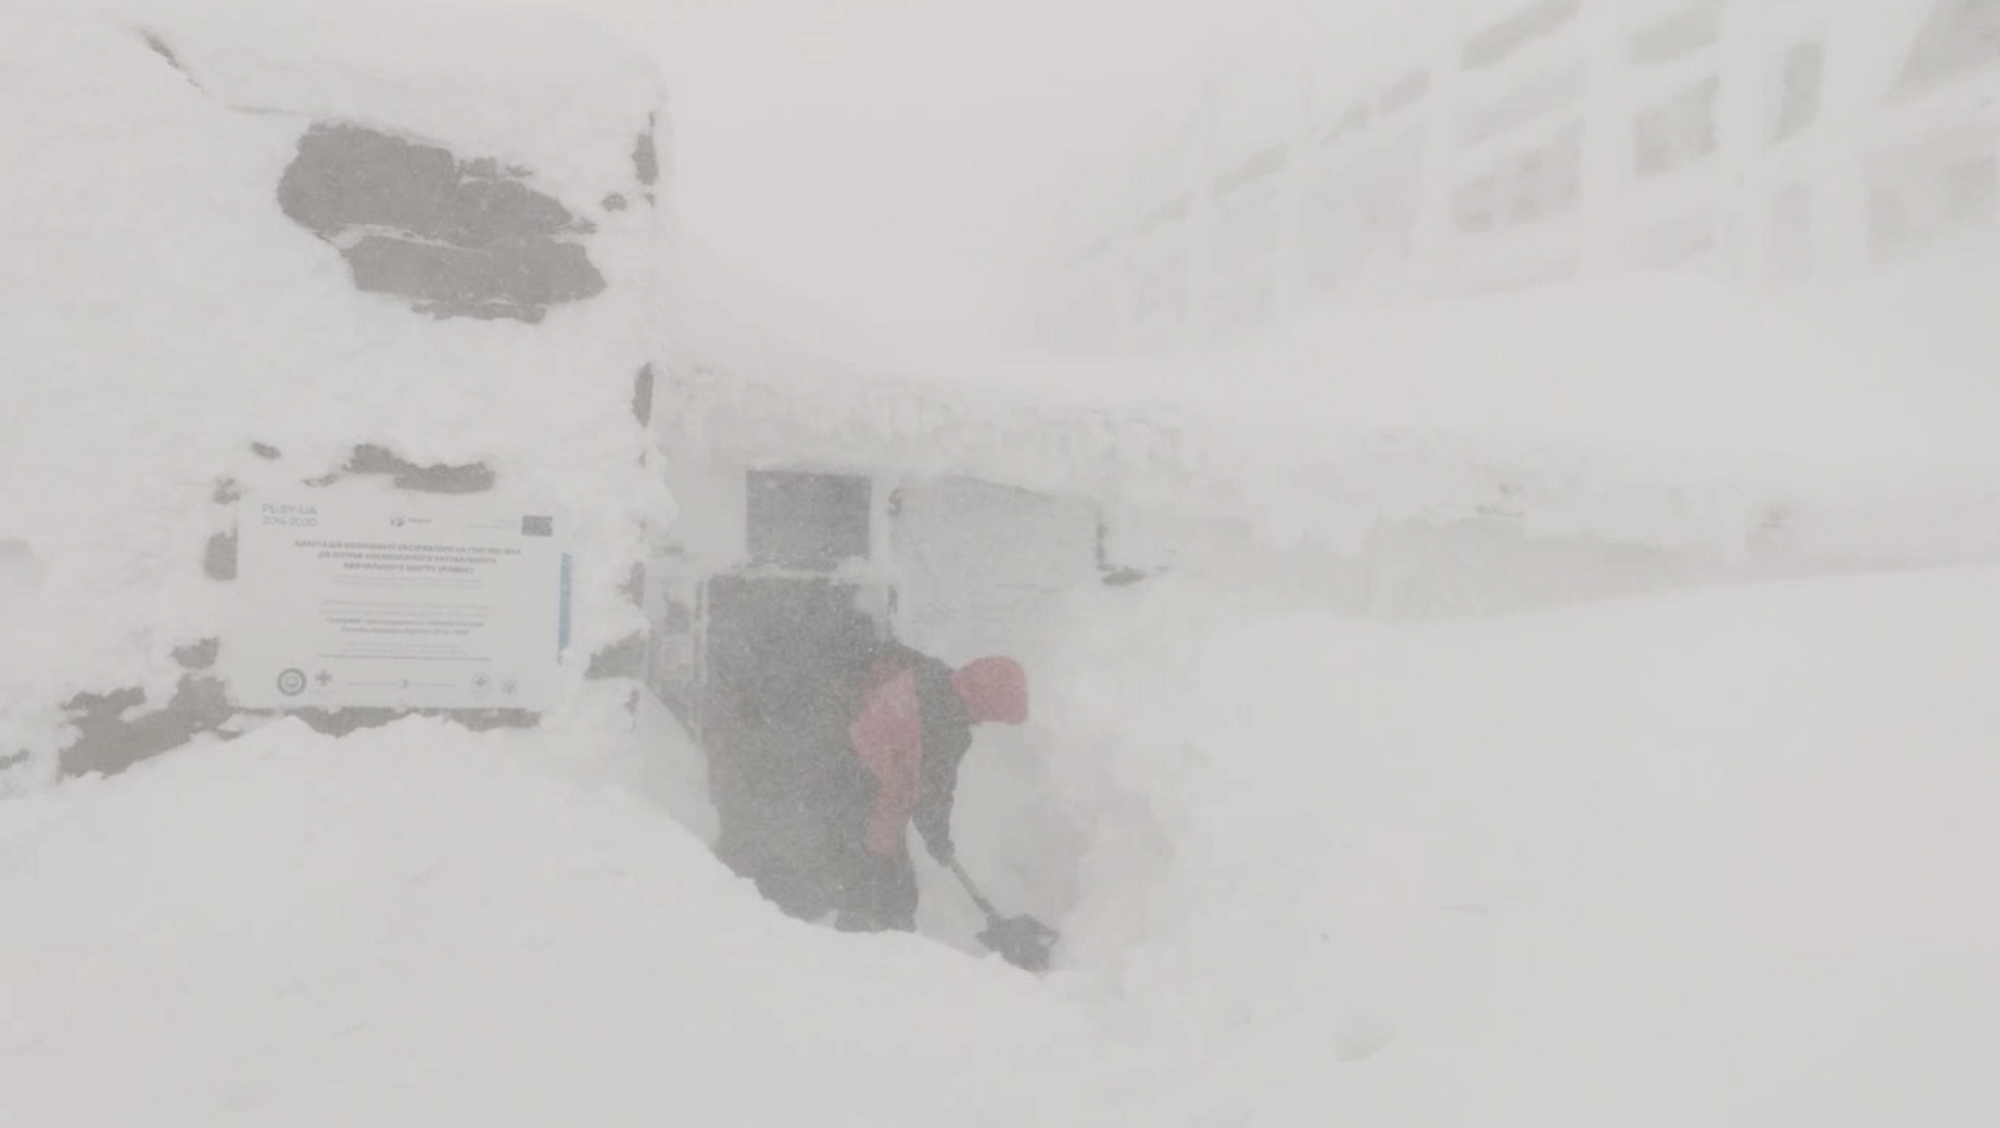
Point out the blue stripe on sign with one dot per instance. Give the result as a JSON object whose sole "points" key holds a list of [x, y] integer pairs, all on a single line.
{"points": [[562, 608]]}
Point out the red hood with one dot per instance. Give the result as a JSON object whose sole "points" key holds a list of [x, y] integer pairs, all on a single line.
{"points": [[993, 689]]}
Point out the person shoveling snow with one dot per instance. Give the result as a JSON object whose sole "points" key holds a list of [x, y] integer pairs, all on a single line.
{"points": [[914, 727]]}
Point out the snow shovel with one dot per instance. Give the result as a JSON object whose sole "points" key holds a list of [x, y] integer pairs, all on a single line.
{"points": [[1020, 940]]}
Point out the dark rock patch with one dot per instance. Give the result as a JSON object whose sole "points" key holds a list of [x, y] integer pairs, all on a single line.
{"points": [[218, 561], [453, 237], [369, 458], [108, 744]]}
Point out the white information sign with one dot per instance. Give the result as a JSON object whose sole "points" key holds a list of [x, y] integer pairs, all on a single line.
{"points": [[397, 600]]}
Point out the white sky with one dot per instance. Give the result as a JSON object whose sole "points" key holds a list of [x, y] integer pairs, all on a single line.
{"points": [[884, 158]]}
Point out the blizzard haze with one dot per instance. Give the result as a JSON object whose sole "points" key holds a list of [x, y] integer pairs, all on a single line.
{"points": [[895, 161], [1570, 707]]}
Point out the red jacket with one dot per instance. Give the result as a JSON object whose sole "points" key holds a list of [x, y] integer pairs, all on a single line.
{"points": [[913, 731], [889, 738]]}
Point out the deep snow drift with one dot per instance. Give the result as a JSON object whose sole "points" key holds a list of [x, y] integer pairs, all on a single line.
{"points": [[420, 926], [1711, 856]]}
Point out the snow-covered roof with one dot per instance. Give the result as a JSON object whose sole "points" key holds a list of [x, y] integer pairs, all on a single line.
{"points": [[1658, 409], [513, 85]]}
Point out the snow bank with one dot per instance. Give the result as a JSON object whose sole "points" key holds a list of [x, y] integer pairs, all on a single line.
{"points": [[420, 925], [1710, 856], [175, 338]]}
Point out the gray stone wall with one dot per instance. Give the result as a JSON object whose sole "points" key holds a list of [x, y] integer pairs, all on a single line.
{"points": [[451, 235]]}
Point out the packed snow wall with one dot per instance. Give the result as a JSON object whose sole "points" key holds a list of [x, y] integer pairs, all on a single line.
{"points": [[387, 251]]}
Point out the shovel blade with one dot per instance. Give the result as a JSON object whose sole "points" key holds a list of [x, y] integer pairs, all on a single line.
{"points": [[1022, 941]]}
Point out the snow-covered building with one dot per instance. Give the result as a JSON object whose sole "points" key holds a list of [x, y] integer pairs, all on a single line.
{"points": [[827, 498], [1414, 462], [382, 250], [1511, 143], [1375, 465]]}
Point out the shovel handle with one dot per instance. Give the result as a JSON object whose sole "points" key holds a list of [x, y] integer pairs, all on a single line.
{"points": [[972, 890]]}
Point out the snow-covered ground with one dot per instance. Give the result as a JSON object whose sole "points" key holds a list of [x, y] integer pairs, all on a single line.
{"points": [[424, 926], [1714, 856], [1705, 857], [1717, 855]]}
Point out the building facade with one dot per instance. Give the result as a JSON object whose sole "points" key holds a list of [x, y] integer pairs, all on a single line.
{"points": [[1536, 141]]}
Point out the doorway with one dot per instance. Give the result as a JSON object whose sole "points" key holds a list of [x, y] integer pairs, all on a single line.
{"points": [[785, 660]]}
